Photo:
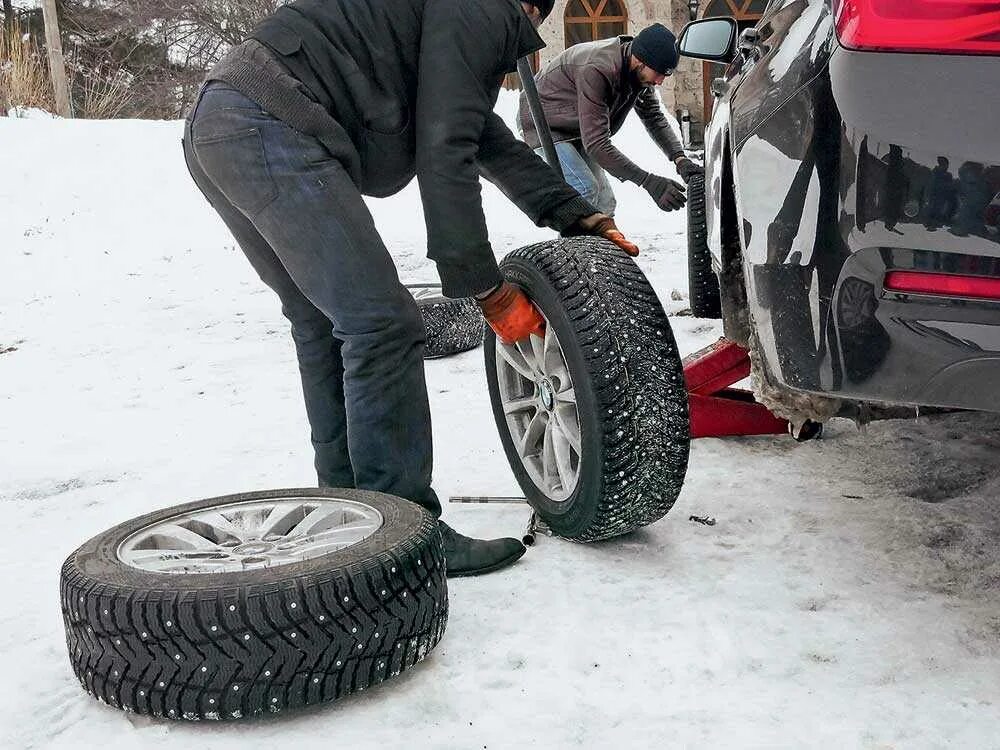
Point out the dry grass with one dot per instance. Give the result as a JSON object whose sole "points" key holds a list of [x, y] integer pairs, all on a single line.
{"points": [[100, 94], [24, 77]]}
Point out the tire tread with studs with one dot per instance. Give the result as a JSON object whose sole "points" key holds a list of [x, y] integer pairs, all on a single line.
{"points": [[703, 282], [452, 325], [628, 384], [232, 645]]}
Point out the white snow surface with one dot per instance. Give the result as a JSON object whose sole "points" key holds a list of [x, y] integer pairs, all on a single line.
{"points": [[30, 113], [846, 596]]}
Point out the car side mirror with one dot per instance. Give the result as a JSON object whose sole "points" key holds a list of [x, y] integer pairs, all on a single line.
{"points": [[711, 39]]}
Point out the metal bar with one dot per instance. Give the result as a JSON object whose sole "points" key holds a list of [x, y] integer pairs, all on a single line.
{"points": [[538, 114], [485, 499]]}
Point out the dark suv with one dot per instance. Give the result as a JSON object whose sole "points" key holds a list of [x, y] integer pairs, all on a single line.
{"points": [[852, 198]]}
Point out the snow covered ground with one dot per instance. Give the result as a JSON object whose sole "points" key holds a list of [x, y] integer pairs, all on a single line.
{"points": [[845, 598]]}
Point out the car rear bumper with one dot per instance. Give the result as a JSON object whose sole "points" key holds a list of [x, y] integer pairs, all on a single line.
{"points": [[919, 190]]}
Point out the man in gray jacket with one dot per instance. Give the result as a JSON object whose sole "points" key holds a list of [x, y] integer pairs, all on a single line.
{"points": [[330, 100], [587, 92]]}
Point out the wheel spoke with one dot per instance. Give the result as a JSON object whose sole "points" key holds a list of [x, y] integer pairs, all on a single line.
{"points": [[141, 556], [177, 537], [166, 561], [360, 528], [538, 349], [562, 456], [566, 396], [527, 351], [312, 519], [551, 341], [224, 529], [513, 356], [533, 435], [554, 360], [549, 469], [517, 405], [280, 520], [568, 424], [323, 544]]}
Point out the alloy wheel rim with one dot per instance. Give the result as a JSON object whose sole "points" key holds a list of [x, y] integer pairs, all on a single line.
{"points": [[252, 535], [540, 409]]}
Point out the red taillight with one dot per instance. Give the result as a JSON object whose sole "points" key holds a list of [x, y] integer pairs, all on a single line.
{"points": [[943, 284], [970, 27]]}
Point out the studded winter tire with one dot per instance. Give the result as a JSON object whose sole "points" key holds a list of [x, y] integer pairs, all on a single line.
{"points": [[592, 417], [251, 604], [452, 325], [703, 282]]}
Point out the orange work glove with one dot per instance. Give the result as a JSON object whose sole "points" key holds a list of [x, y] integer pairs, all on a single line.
{"points": [[601, 225], [511, 315]]}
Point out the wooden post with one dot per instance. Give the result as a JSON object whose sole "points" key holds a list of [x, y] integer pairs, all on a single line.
{"points": [[7, 39], [57, 66], [8, 17]]}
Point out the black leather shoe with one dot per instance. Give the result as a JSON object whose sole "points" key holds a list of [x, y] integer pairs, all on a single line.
{"points": [[473, 557]]}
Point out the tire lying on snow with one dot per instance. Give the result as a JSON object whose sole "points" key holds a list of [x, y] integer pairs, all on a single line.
{"points": [[452, 325], [593, 418], [703, 282], [249, 604]]}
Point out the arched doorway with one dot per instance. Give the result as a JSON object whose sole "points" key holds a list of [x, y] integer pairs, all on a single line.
{"points": [[590, 20], [746, 13]]}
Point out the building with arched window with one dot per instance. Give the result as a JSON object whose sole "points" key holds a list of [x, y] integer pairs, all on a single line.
{"points": [[575, 21]]}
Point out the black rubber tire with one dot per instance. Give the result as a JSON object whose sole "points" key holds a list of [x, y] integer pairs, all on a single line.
{"points": [[452, 325], [177, 646], [703, 282], [628, 380]]}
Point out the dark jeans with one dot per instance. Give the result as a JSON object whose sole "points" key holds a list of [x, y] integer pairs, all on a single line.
{"points": [[358, 333]]}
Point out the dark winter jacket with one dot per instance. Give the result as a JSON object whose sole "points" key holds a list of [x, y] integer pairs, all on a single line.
{"points": [[587, 92], [410, 86]]}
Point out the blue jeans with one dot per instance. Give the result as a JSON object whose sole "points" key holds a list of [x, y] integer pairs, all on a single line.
{"points": [[358, 334], [585, 176]]}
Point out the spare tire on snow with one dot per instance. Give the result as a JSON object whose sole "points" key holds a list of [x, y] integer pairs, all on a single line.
{"points": [[593, 417], [452, 325], [250, 604]]}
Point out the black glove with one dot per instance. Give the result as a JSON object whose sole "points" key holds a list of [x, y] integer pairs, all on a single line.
{"points": [[687, 169], [667, 194]]}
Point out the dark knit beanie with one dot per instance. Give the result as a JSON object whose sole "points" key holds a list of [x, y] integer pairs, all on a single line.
{"points": [[544, 6], [656, 46]]}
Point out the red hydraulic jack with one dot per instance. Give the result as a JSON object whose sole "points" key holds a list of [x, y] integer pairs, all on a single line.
{"points": [[716, 410]]}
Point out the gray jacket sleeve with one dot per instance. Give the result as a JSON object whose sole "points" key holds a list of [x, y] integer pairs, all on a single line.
{"points": [[657, 125], [593, 92], [529, 183]]}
